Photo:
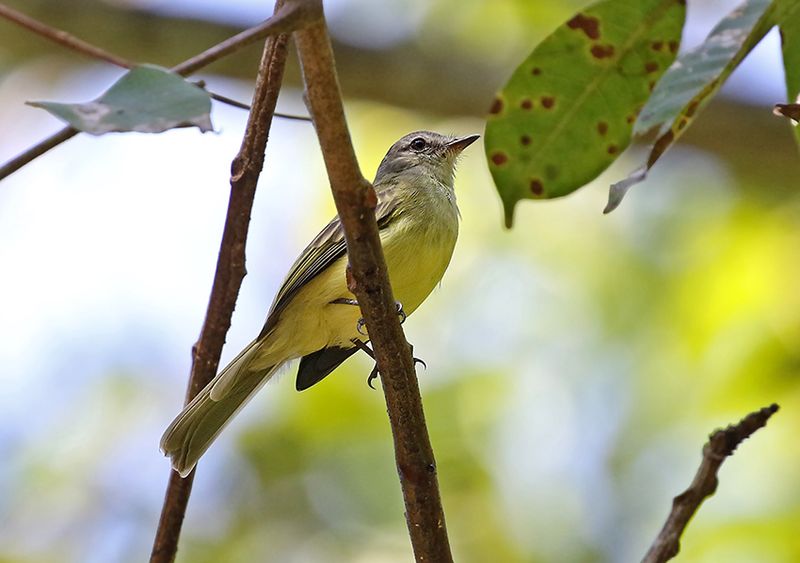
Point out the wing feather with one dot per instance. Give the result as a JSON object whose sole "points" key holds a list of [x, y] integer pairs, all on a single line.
{"points": [[327, 247]]}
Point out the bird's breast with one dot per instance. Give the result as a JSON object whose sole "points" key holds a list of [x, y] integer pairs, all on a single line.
{"points": [[418, 249]]}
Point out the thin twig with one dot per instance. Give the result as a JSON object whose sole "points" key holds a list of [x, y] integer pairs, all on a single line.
{"points": [[290, 16], [242, 105], [792, 111], [368, 280], [720, 445], [66, 39], [230, 271], [285, 20], [62, 37]]}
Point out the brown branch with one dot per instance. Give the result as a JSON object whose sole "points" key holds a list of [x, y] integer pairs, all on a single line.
{"points": [[720, 445], [69, 41], [368, 280], [289, 17], [792, 111], [228, 277], [61, 37]]}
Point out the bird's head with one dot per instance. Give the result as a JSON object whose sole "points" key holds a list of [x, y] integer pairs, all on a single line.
{"points": [[425, 153]]}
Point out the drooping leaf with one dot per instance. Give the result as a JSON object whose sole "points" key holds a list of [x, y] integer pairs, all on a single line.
{"points": [[789, 21], [147, 99], [691, 82], [568, 110]]}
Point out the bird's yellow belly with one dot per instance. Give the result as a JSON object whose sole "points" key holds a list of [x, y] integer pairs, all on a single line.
{"points": [[313, 320], [415, 270]]}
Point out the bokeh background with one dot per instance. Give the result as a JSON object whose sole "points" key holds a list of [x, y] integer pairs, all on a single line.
{"points": [[576, 363]]}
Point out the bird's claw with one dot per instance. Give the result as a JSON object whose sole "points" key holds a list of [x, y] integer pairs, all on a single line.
{"points": [[400, 313], [372, 376]]}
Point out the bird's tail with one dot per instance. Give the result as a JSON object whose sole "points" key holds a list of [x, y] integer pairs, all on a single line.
{"points": [[195, 428]]}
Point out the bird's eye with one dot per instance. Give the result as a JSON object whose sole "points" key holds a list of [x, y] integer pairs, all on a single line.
{"points": [[418, 144]]}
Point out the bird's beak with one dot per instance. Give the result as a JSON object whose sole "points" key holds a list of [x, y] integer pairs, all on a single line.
{"points": [[460, 143]]}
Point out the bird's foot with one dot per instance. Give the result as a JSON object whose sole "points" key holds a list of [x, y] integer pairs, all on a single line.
{"points": [[400, 313], [373, 375], [375, 371]]}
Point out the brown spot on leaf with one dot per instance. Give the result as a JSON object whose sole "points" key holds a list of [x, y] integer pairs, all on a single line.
{"points": [[691, 108], [588, 24], [525, 140], [612, 149], [497, 106], [651, 66], [602, 127], [630, 118], [499, 158], [536, 71], [602, 51], [661, 144], [682, 123], [657, 45], [526, 104], [673, 47], [536, 186], [548, 102]]}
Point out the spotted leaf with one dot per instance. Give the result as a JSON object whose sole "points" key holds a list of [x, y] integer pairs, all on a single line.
{"points": [[789, 21], [692, 80], [568, 110]]}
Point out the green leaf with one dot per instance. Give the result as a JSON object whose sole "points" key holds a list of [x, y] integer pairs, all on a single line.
{"points": [[147, 99], [568, 110], [691, 82], [789, 21]]}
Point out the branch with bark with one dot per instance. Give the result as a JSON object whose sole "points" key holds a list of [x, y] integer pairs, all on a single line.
{"points": [[721, 444], [284, 20], [367, 273], [369, 281], [228, 277]]}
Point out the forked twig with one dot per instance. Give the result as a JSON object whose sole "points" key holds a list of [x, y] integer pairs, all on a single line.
{"points": [[721, 444], [277, 23], [228, 277]]}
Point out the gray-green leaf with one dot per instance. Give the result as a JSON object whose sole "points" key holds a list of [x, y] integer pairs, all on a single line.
{"points": [[691, 82], [147, 99]]}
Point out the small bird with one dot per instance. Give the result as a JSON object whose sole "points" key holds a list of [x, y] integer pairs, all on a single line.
{"points": [[314, 316]]}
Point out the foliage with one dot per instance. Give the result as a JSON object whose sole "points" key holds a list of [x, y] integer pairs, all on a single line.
{"points": [[568, 110], [148, 99]]}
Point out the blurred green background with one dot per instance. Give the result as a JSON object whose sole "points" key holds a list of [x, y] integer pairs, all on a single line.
{"points": [[575, 364]]}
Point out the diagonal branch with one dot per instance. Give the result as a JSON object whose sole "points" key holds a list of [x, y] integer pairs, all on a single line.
{"points": [[720, 445], [291, 16], [230, 271], [61, 37], [368, 280]]}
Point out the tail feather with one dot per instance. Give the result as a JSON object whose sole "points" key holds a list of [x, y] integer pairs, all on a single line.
{"points": [[195, 428]]}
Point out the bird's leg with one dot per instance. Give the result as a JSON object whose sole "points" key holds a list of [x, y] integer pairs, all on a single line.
{"points": [[360, 324], [368, 351]]}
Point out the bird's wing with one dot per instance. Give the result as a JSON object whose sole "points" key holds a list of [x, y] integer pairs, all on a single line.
{"points": [[327, 247], [315, 366]]}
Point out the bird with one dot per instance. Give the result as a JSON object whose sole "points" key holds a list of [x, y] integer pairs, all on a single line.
{"points": [[314, 316]]}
